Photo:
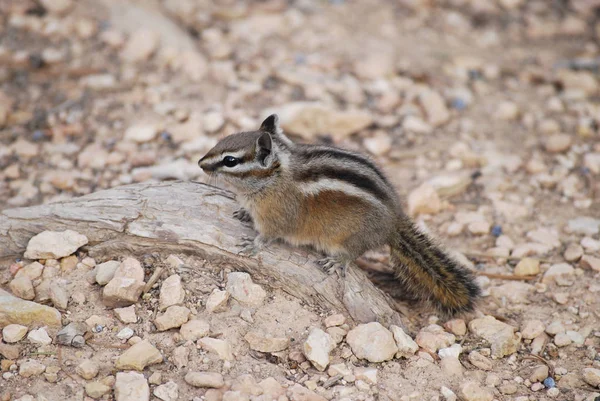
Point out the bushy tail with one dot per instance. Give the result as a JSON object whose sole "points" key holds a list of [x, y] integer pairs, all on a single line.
{"points": [[427, 273]]}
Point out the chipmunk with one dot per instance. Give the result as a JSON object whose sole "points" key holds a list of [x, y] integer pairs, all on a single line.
{"points": [[338, 202]]}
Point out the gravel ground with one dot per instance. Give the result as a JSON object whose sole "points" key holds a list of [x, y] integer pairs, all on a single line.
{"points": [[484, 114]]}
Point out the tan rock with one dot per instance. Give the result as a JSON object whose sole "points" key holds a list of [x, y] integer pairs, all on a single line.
{"points": [[262, 343], [18, 311], [139, 356]]}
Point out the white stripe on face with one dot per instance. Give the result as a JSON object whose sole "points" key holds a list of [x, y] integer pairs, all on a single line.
{"points": [[328, 184]]}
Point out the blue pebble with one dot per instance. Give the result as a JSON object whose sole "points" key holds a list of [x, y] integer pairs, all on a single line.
{"points": [[497, 231], [166, 136], [549, 382], [38, 135], [300, 58], [459, 104]]}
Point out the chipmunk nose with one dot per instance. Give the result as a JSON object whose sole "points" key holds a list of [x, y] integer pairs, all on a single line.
{"points": [[206, 167]]}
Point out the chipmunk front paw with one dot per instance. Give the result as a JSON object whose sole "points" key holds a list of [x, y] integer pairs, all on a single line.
{"points": [[243, 215], [251, 246], [332, 264]]}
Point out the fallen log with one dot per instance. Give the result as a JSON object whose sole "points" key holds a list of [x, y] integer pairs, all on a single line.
{"points": [[195, 219]]}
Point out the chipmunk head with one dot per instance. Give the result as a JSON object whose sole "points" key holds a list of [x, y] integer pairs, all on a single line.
{"points": [[247, 160]]}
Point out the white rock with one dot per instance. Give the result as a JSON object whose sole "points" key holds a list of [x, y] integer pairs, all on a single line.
{"points": [[450, 352], [368, 375], [139, 356], [213, 121], [16, 310], [171, 292], [205, 379], [131, 386], [266, 343], [125, 334], [590, 262], [433, 337], [22, 287], [406, 345], [54, 244], [140, 46], [317, 347], [59, 7], [584, 225], [435, 107], [217, 301], [555, 327], [378, 144], [592, 377], [173, 318], [194, 330], [39, 337], [106, 271], [500, 335], [219, 347], [334, 320], [59, 295], [561, 273], [372, 342], [126, 315], [31, 368], [424, 200], [167, 392], [141, 132], [532, 328], [448, 394], [87, 369], [557, 143], [242, 289], [309, 119], [507, 111], [562, 340], [471, 391], [13, 333], [415, 124]]}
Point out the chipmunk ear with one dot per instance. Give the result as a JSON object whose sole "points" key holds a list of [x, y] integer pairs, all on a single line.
{"points": [[264, 144], [271, 124]]}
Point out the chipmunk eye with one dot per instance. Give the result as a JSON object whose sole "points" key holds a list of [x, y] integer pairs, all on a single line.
{"points": [[230, 161]]}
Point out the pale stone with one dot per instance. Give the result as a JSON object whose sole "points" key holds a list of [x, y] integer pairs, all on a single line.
{"points": [[59, 295], [33, 271], [561, 273], [140, 46], [217, 301], [265, 343], [406, 345], [435, 107], [584, 225], [242, 289], [480, 361], [317, 347], [562, 340], [194, 330], [558, 143], [22, 287], [507, 111], [171, 292], [131, 386], [532, 328], [141, 132], [31, 368], [96, 389], [590, 262], [471, 391], [39, 337], [500, 335], [205, 379], [456, 326], [126, 315], [173, 318], [167, 392], [122, 291], [139, 356], [180, 356], [424, 200], [309, 119], [372, 342], [13, 333], [219, 347], [299, 393], [59, 7], [106, 271], [527, 267], [433, 337], [87, 369], [54, 244], [334, 320], [592, 377], [539, 374]]}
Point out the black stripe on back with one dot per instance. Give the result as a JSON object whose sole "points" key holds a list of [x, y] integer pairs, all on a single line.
{"points": [[347, 175], [312, 152]]}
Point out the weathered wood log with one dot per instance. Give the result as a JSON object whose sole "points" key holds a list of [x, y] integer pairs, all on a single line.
{"points": [[196, 219]]}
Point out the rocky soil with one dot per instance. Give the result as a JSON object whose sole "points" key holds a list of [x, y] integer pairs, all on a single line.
{"points": [[484, 114]]}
